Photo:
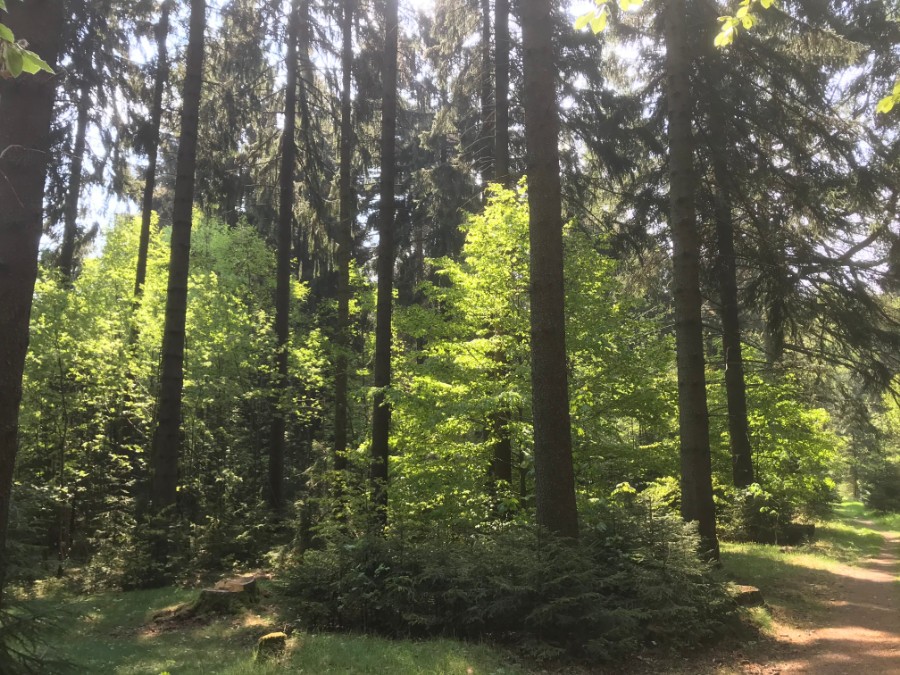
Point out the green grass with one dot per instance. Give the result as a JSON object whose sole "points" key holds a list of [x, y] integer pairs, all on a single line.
{"points": [[797, 581], [111, 633]]}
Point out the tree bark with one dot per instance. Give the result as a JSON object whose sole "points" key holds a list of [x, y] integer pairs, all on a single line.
{"points": [[283, 273], [554, 473], [159, 85], [486, 149], [70, 213], [693, 419], [501, 92], [729, 310], [167, 438], [344, 240], [26, 106], [381, 413]]}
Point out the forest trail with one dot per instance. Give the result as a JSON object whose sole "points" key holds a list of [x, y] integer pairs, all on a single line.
{"points": [[860, 632]]}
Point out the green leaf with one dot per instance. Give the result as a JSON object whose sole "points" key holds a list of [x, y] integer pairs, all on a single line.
{"points": [[3, 5], [32, 63], [583, 20], [747, 21], [766, 3], [6, 34], [897, 89], [598, 23], [885, 105], [14, 61], [725, 38]]}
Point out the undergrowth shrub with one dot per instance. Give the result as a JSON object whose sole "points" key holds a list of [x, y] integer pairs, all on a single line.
{"points": [[880, 487], [631, 581]]}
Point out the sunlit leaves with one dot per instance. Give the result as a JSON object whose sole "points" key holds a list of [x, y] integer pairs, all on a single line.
{"points": [[886, 104], [743, 18], [598, 17]]}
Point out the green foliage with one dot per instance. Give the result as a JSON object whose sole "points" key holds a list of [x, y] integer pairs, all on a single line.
{"points": [[90, 389], [463, 375], [633, 581], [15, 57]]}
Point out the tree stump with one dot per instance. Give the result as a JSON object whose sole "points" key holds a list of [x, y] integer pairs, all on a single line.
{"points": [[747, 596], [271, 646], [227, 597]]}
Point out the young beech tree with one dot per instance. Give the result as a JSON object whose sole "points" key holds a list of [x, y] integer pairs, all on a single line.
{"points": [[26, 104]]}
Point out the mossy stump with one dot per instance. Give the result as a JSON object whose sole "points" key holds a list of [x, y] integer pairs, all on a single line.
{"points": [[271, 646]]}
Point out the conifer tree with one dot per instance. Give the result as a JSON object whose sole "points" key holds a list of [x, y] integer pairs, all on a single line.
{"points": [[26, 106], [167, 436], [381, 413], [553, 470]]}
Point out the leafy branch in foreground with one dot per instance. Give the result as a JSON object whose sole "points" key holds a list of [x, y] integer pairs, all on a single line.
{"points": [[15, 57]]}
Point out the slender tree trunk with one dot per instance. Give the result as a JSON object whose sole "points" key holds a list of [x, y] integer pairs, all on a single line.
{"points": [[735, 386], [693, 420], [501, 92], [167, 439], [486, 149], [283, 274], [381, 413], [70, 213], [26, 106], [159, 85], [553, 471], [501, 462], [344, 241]]}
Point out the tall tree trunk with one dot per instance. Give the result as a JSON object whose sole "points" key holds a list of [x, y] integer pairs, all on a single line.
{"points": [[26, 106], [70, 212], [501, 462], [693, 419], [729, 310], [283, 274], [167, 438], [159, 85], [486, 147], [381, 413], [344, 241], [553, 471], [501, 92]]}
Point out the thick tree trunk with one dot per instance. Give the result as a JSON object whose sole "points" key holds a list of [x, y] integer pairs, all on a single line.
{"points": [[693, 419], [159, 85], [381, 413], [283, 274], [486, 149], [501, 92], [70, 212], [26, 106], [167, 438], [344, 241], [553, 470]]}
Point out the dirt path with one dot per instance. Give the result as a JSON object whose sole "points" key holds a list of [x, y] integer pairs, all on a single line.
{"points": [[860, 634]]}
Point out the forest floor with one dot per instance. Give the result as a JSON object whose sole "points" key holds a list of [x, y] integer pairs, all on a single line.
{"points": [[832, 607]]}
